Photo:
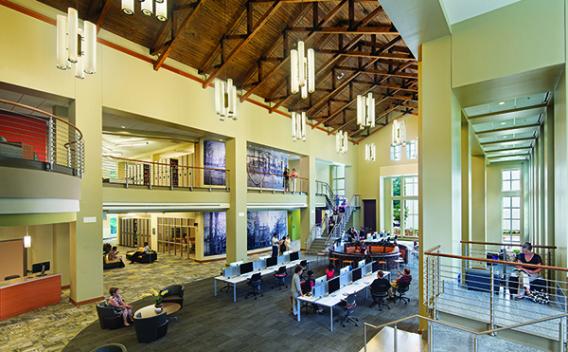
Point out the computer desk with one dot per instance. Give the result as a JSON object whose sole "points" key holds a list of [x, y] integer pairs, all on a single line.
{"points": [[234, 281], [330, 301]]}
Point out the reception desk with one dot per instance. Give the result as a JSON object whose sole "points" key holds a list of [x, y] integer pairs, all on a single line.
{"points": [[21, 295]]}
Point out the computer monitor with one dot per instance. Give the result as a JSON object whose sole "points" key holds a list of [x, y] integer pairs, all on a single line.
{"points": [[319, 287], [246, 268], [344, 270], [259, 264], [333, 285], [281, 259], [40, 268], [368, 260], [272, 261], [375, 266], [294, 256], [367, 269], [345, 279], [231, 272], [356, 274], [361, 263]]}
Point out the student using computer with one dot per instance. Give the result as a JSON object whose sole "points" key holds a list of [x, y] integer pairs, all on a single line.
{"points": [[308, 288], [330, 271], [296, 288], [404, 278], [380, 284]]}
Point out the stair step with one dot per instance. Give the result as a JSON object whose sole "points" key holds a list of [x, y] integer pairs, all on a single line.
{"points": [[406, 342]]}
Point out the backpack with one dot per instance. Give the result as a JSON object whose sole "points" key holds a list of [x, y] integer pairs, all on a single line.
{"points": [[540, 297]]}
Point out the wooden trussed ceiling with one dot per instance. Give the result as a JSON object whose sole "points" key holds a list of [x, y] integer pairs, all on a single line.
{"points": [[357, 50]]}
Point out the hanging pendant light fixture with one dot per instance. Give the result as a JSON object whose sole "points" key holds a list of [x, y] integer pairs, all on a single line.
{"points": [[341, 141], [76, 45], [225, 99], [148, 8], [398, 132], [366, 111], [370, 152], [302, 71], [299, 126]]}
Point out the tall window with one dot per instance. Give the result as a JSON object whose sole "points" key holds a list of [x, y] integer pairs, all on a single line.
{"points": [[396, 152], [404, 205], [338, 179], [511, 205]]}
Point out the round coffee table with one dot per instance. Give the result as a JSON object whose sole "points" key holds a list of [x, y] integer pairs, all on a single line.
{"points": [[149, 311]]}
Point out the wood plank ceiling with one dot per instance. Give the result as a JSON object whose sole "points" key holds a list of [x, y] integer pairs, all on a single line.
{"points": [[358, 50]]}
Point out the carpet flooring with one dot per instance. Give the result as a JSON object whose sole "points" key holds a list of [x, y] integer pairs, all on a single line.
{"points": [[209, 323]]}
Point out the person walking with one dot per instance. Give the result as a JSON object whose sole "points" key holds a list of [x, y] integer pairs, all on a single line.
{"points": [[296, 288]]}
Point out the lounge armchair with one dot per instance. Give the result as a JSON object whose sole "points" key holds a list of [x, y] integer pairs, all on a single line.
{"points": [[109, 317]]}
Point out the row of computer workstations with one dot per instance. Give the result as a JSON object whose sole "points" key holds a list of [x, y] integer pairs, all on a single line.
{"points": [[239, 272], [351, 280]]}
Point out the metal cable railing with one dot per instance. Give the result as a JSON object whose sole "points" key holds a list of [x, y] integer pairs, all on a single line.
{"points": [[31, 137]]}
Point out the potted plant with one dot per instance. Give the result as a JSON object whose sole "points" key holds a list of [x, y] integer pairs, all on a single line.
{"points": [[158, 297]]}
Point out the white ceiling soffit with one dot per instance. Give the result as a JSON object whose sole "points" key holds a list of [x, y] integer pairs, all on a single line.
{"points": [[417, 21], [461, 10]]}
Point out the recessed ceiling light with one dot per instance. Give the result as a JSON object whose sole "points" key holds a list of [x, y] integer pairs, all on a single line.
{"points": [[501, 103], [122, 126]]}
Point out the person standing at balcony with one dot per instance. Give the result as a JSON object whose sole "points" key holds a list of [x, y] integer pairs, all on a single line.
{"points": [[294, 177], [526, 274], [275, 245], [286, 179]]}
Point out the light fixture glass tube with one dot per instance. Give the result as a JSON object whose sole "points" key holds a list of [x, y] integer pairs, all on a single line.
{"points": [[311, 71], [161, 10], [303, 126], [90, 46], [360, 111], [73, 33], [128, 7], [62, 62], [294, 86], [301, 64], [218, 96], [147, 7]]}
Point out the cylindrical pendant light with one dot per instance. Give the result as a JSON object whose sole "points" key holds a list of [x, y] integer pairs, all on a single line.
{"points": [[162, 10], [303, 125], [294, 136], [128, 7], [301, 64], [311, 71], [147, 7], [90, 50], [80, 68], [360, 111], [294, 85], [62, 62], [73, 33]]}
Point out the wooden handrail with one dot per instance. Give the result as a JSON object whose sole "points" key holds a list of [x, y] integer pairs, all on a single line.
{"points": [[164, 164], [506, 244], [492, 261]]}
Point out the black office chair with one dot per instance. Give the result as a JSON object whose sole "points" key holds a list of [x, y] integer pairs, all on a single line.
{"points": [[110, 317], [400, 293], [174, 295], [11, 277], [379, 298], [281, 276], [255, 283], [349, 305]]}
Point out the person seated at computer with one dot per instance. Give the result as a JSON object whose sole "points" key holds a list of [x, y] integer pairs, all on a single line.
{"points": [[275, 245], [404, 278], [330, 271], [380, 284], [117, 301], [296, 288], [527, 274], [308, 288]]}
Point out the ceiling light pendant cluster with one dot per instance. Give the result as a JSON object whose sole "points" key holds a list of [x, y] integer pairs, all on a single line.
{"points": [[225, 99], [148, 8], [341, 141], [76, 45], [302, 71], [299, 126], [398, 133], [366, 111], [370, 152]]}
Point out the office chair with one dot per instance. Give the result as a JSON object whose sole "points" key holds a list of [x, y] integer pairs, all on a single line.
{"points": [[281, 276], [379, 298], [349, 305], [255, 283], [11, 277], [400, 293]]}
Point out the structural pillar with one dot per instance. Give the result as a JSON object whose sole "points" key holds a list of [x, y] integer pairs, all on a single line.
{"points": [[237, 213]]}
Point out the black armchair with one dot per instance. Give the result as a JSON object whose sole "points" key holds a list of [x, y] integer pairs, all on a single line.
{"points": [[109, 317], [152, 328], [111, 347], [174, 295], [142, 257]]}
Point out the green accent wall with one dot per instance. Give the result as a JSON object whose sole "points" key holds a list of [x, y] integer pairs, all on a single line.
{"points": [[294, 224]]}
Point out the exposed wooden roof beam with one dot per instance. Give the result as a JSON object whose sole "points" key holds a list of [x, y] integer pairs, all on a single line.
{"points": [[378, 30], [103, 14], [397, 74], [261, 22], [331, 14], [171, 44], [383, 56]]}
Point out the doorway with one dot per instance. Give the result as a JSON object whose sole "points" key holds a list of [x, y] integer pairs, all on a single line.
{"points": [[370, 214]]}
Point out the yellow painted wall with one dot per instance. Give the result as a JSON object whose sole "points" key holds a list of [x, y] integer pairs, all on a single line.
{"points": [[508, 41], [477, 198], [561, 172]]}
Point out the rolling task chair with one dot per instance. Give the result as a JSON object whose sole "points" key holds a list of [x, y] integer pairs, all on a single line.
{"points": [[281, 276], [379, 298], [349, 305], [400, 293], [255, 283]]}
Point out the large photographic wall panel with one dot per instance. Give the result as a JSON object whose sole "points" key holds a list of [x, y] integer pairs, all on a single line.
{"points": [[262, 224]]}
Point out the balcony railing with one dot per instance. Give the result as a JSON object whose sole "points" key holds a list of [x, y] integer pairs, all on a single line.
{"points": [[33, 138], [273, 182], [155, 175]]}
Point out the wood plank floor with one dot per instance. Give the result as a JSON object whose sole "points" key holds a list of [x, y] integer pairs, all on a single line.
{"points": [[209, 323]]}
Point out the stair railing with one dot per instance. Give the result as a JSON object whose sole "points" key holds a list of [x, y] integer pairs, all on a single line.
{"points": [[315, 232], [476, 334]]}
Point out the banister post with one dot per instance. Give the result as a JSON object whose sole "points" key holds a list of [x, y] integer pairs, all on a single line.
{"points": [[491, 300], [562, 335], [51, 149]]}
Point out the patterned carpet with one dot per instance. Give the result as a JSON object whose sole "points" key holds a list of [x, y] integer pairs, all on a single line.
{"points": [[51, 328]]}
